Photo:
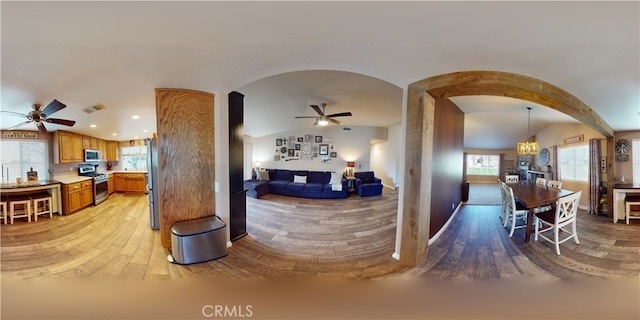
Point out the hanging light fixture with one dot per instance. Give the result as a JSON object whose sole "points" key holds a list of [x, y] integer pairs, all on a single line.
{"points": [[528, 147]]}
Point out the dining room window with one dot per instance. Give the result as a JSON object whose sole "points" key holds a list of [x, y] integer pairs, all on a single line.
{"points": [[18, 157], [483, 165], [635, 158], [574, 163]]}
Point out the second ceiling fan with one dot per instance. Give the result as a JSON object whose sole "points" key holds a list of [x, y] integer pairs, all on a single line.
{"points": [[324, 119]]}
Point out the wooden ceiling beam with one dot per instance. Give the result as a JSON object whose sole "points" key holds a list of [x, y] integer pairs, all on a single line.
{"points": [[495, 83]]}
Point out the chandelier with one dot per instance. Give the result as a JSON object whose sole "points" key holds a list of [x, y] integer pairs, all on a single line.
{"points": [[528, 147]]}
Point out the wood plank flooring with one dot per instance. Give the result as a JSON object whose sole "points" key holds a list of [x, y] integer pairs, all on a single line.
{"points": [[292, 237]]}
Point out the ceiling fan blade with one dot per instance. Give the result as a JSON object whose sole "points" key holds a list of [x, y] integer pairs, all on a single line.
{"points": [[306, 117], [53, 107], [41, 127], [63, 122], [11, 113], [317, 109], [335, 121], [19, 125], [342, 114]]}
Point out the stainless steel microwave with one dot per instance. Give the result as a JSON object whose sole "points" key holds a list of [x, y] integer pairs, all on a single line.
{"points": [[91, 155]]}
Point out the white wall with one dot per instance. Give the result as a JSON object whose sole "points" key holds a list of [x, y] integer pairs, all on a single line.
{"points": [[385, 156], [351, 145]]}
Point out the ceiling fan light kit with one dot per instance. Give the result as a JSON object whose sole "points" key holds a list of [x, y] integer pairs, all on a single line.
{"points": [[322, 119], [39, 116]]}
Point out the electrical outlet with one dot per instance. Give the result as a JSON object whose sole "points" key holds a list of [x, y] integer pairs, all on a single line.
{"points": [[453, 206], [70, 168]]}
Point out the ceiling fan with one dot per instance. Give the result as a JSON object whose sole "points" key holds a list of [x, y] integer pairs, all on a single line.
{"points": [[323, 119], [39, 116]]}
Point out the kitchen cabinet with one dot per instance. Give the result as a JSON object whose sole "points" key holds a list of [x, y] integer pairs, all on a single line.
{"points": [[113, 151], [67, 147], [102, 147], [111, 183], [131, 182], [76, 196], [89, 142]]}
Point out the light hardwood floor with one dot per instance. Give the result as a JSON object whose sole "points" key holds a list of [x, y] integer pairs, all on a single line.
{"points": [[295, 237]]}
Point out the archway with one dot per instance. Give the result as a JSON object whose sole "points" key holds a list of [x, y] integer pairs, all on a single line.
{"points": [[414, 217]]}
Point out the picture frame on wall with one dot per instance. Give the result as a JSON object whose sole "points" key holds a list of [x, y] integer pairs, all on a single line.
{"points": [[300, 139], [318, 139], [297, 146], [333, 154], [292, 152], [278, 142], [324, 149], [308, 138]]}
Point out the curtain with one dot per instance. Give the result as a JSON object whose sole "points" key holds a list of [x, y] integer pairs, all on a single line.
{"points": [[555, 169], [594, 175]]}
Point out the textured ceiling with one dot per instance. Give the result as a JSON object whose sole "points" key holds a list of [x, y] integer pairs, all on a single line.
{"points": [[116, 53]]}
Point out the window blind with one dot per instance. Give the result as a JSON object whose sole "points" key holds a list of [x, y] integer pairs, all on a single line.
{"points": [[17, 157], [635, 157]]}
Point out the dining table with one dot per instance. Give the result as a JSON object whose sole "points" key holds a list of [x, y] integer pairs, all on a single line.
{"points": [[532, 196]]}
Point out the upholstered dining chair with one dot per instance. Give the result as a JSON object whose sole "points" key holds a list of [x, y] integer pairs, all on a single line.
{"points": [[556, 221]]}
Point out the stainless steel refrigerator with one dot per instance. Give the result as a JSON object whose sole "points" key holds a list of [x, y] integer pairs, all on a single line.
{"points": [[152, 182]]}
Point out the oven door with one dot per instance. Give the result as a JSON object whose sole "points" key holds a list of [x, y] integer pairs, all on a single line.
{"points": [[100, 191]]}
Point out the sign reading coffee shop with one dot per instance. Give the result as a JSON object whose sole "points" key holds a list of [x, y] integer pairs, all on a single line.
{"points": [[20, 134]]}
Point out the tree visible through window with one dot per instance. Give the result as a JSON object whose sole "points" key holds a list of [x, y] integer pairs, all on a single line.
{"points": [[134, 158], [483, 165]]}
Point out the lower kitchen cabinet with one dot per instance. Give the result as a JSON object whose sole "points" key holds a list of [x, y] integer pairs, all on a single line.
{"points": [[76, 196], [111, 183], [131, 182]]}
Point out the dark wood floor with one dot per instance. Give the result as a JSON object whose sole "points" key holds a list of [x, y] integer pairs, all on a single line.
{"points": [[293, 237]]}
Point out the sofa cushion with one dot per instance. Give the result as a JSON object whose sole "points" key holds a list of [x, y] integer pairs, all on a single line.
{"points": [[299, 179], [263, 175], [365, 176], [317, 177], [278, 186], [284, 175], [314, 187], [296, 186]]}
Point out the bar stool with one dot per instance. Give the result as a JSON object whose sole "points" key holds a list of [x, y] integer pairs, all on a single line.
{"points": [[41, 204], [20, 207], [631, 201], [3, 204]]}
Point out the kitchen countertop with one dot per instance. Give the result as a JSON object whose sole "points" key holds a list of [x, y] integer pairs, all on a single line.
{"points": [[28, 184], [67, 179], [123, 171]]}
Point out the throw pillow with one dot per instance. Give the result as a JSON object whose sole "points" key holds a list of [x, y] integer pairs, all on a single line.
{"points": [[367, 180], [263, 175], [336, 178], [300, 179]]}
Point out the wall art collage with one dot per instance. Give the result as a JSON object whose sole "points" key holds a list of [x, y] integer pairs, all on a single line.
{"points": [[303, 148]]}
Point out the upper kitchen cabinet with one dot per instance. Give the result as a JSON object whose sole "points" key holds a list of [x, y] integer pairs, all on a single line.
{"points": [[113, 151], [102, 147], [67, 147], [89, 143]]}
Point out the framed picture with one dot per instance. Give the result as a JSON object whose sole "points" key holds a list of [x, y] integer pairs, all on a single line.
{"points": [[292, 152], [278, 142], [297, 146], [622, 157], [300, 139], [314, 155], [308, 138], [324, 149], [318, 139], [276, 158], [333, 154]]}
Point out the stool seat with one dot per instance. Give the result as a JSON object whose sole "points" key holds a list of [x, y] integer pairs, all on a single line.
{"points": [[41, 204], [631, 201], [3, 206], [19, 207]]}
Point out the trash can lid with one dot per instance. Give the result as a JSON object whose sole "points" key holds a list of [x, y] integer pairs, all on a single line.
{"points": [[197, 226]]}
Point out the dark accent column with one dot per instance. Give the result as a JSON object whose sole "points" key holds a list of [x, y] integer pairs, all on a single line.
{"points": [[237, 193]]}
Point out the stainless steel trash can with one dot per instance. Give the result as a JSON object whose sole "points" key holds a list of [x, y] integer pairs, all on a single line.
{"points": [[198, 240]]}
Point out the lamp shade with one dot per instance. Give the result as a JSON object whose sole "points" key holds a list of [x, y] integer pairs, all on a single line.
{"points": [[351, 164]]}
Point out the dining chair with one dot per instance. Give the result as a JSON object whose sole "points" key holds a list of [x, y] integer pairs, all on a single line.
{"points": [[555, 184], [503, 206], [541, 181], [629, 201], [565, 214], [515, 212], [512, 178]]}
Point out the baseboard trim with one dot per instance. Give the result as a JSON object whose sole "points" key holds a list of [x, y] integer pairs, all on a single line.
{"points": [[446, 225]]}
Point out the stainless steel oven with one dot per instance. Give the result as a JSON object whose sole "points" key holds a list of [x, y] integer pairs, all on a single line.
{"points": [[100, 182]]}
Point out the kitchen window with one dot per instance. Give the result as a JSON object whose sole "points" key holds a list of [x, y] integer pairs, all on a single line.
{"points": [[483, 165], [134, 158], [18, 157]]}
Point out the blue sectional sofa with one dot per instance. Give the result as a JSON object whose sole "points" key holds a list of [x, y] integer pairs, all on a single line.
{"points": [[283, 182]]}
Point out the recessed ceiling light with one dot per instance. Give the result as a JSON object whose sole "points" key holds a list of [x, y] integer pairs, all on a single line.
{"points": [[115, 134], [135, 117], [136, 137], [145, 130], [93, 126]]}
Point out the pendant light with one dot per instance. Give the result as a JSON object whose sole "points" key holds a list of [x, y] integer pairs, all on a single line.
{"points": [[527, 147]]}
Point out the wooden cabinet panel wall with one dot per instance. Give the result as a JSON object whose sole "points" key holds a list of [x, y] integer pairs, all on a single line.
{"points": [[186, 157], [76, 196]]}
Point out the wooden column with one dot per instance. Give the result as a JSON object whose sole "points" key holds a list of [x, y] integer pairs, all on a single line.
{"points": [[417, 177], [186, 157]]}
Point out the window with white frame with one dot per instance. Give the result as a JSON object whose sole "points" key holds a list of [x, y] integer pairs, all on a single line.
{"points": [[574, 163], [483, 165], [635, 157], [19, 156], [134, 158]]}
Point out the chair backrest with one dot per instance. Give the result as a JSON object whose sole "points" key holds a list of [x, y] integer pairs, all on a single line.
{"points": [[555, 184], [511, 199], [512, 178], [541, 181], [503, 193], [567, 208]]}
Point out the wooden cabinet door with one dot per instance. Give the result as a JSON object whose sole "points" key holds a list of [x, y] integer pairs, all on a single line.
{"points": [[86, 196], [111, 184], [89, 142], [113, 151], [75, 203], [76, 148], [102, 147], [70, 147], [119, 182]]}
